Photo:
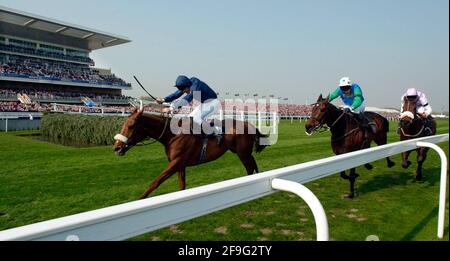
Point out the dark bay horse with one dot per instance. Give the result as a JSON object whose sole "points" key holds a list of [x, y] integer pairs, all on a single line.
{"points": [[346, 133], [414, 126], [183, 150]]}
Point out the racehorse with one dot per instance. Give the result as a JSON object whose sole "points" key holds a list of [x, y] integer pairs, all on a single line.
{"points": [[413, 126], [347, 135], [184, 150]]}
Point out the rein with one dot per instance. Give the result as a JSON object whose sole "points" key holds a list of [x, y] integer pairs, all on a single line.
{"points": [[346, 134], [415, 135], [162, 133], [412, 135], [321, 128]]}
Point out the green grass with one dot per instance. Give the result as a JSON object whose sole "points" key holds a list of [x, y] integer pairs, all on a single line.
{"points": [[41, 181]]}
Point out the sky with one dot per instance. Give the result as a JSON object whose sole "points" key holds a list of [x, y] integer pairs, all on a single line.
{"points": [[294, 49]]}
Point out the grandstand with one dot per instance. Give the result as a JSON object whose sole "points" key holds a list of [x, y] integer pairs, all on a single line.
{"points": [[44, 61]]}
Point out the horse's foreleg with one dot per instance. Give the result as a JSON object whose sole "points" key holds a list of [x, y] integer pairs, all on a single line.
{"points": [[421, 156], [406, 162], [169, 171], [352, 178], [256, 165], [182, 178]]}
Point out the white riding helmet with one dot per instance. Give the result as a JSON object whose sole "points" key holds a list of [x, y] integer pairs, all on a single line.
{"points": [[345, 81], [411, 92]]}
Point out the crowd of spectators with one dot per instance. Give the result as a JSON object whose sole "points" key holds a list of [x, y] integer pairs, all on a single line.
{"points": [[17, 66], [284, 110], [58, 95], [21, 107], [43, 53]]}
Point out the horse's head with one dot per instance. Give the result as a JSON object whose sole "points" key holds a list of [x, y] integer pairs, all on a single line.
{"points": [[318, 115], [132, 132], [409, 111]]}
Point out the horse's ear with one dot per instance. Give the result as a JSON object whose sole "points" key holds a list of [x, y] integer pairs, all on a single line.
{"points": [[320, 98], [328, 98]]}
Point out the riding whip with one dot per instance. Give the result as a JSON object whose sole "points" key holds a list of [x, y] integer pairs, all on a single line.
{"points": [[151, 96]]}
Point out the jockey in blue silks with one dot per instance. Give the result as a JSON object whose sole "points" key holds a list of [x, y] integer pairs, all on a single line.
{"points": [[207, 97]]}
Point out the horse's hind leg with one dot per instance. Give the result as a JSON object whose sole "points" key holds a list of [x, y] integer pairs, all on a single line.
{"points": [[249, 163], [366, 145], [343, 175], [390, 163], [368, 166], [382, 141], [182, 178], [352, 178]]}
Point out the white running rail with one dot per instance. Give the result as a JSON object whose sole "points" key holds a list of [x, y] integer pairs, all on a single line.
{"points": [[138, 217]]}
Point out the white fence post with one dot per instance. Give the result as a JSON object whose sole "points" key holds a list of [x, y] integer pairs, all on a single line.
{"points": [[443, 185], [259, 120], [313, 202]]}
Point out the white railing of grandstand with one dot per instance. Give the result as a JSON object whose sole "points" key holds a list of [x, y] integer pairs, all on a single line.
{"points": [[138, 217]]}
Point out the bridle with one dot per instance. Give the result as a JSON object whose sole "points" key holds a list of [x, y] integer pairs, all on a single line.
{"points": [[321, 126], [125, 140]]}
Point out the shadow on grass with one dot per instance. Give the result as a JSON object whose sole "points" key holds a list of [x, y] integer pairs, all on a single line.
{"points": [[422, 224], [431, 176]]}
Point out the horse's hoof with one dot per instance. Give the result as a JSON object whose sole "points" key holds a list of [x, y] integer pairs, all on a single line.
{"points": [[354, 176], [349, 196], [391, 164], [368, 166], [405, 166], [344, 176], [418, 177]]}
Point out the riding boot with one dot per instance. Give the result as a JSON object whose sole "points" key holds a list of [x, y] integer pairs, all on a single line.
{"points": [[363, 122], [194, 129]]}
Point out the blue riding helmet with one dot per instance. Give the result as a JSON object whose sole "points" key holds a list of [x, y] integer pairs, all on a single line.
{"points": [[182, 81]]}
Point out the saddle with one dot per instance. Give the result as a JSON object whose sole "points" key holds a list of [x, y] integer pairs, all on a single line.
{"points": [[365, 121], [205, 137]]}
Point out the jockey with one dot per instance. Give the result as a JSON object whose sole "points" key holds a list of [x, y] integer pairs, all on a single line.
{"points": [[195, 90], [353, 99], [423, 108]]}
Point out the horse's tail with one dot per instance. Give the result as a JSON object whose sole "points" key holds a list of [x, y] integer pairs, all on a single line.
{"points": [[385, 125], [258, 146]]}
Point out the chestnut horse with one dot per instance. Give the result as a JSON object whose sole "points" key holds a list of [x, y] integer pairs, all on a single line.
{"points": [[346, 133], [184, 150], [413, 126]]}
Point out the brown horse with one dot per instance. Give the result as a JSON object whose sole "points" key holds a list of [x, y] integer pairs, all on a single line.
{"points": [[414, 126], [347, 135], [184, 150]]}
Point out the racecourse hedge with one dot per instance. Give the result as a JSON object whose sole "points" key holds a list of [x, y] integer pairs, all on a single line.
{"points": [[80, 130]]}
